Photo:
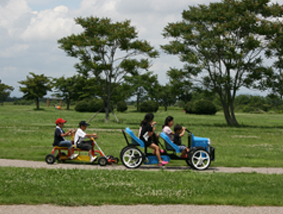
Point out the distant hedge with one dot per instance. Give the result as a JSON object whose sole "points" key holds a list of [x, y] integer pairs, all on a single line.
{"points": [[90, 105], [201, 107], [149, 106]]}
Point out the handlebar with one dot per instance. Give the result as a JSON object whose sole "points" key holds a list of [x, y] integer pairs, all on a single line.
{"points": [[188, 131]]}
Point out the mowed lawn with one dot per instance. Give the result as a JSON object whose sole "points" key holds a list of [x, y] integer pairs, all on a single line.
{"points": [[28, 134]]}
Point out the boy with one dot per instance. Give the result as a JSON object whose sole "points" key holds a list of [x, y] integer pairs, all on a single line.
{"points": [[59, 139], [79, 140], [179, 132]]}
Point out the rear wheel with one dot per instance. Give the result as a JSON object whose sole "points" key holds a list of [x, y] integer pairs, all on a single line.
{"points": [[131, 157], [102, 161], [50, 159], [199, 159]]}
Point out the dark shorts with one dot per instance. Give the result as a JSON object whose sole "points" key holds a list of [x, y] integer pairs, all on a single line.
{"points": [[85, 145]]}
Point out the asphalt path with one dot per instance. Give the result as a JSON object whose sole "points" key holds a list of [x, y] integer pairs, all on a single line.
{"points": [[136, 209]]}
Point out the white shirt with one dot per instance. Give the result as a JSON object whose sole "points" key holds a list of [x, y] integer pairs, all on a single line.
{"points": [[79, 136], [168, 132]]}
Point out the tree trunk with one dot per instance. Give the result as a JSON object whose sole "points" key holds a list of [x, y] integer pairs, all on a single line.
{"points": [[165, 107], [107, 108], [138, 100], [68, 104], [37, 103], [229, 115]]}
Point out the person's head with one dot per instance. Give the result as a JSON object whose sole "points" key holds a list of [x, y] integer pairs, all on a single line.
{"points": [[169, 121], [60, 122], [147, 119], [83, 124], [178, 128]]}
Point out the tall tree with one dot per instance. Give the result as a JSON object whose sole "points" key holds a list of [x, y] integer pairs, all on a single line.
{"points": [[5, 91], [141, 84], [163, 94], [35, 87], [221, 45], [108, 51]]}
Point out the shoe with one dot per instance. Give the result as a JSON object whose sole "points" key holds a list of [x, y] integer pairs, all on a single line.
{"points": [[184, 156], [162, 151], [163, 163], [93, 159], [73, 156]]}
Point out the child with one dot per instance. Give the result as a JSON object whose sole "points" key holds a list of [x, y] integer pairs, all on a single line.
{"points": [[179, 132], [79, 140], [166, 128], [59, 138], [146, 134]]}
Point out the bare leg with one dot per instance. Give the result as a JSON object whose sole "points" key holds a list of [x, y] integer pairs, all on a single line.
{"points": [[157, 151]]}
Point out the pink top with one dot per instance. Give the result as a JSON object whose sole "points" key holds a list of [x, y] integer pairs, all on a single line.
{"points": [[168, 132]]}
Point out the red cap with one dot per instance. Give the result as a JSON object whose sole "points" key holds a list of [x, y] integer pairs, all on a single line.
{"points": [[60, 120]]}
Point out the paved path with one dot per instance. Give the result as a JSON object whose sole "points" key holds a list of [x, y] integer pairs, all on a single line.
{"points": [[41, 164], [135, 209]]}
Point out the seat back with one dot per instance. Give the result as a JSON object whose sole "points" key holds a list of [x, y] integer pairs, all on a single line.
{"points": [[135, 140], [169, 144]]}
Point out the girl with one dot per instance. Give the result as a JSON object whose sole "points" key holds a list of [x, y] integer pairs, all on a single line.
{"points": [[147, 131], [169, 121]]}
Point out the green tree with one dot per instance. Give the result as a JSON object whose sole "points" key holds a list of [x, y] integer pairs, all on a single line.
{"points": [[164, 95], [36, 87], [108, 51], [64, 88], [181, 85], [141, 84], [5, 91], [221, 45]]}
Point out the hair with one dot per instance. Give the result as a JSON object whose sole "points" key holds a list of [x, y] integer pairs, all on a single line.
{"points": [[177, 127], [167, 121], [147, 118]]}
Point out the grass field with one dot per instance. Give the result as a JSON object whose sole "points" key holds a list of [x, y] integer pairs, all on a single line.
{"points": [[95, 187], [28, 134]]}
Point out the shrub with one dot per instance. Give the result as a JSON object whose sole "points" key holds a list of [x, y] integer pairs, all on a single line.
{"points": [[95, 105], [149, 106], [82, 106], [204, 107], [122, 106], [248, 109], [188, 108]]}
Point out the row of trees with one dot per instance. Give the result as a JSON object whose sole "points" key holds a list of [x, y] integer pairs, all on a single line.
{"points": [[222, 46]]}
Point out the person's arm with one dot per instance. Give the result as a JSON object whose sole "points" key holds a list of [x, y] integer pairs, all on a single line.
{"points": [[183, 132], [91, 135], [68, 133]]}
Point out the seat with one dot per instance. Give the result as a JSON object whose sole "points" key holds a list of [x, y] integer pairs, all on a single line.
{"points": [[135, 140], [169, 144]]}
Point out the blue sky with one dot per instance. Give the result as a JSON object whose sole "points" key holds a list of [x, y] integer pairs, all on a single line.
{"points": [[29, 30]]}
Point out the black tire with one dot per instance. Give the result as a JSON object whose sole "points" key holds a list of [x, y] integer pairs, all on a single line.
{"points": [[50, 159], [199, 159], [102, 161], [116, 160], [131, 157], [122, 151]]}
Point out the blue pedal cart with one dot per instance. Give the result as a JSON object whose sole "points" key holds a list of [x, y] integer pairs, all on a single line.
{"points": [[199, 157]]}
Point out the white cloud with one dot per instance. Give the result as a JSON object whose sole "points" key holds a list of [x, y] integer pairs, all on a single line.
{"points": [[14, 50]]}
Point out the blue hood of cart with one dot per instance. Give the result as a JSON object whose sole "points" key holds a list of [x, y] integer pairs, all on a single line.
{"points": [[200, 141]]}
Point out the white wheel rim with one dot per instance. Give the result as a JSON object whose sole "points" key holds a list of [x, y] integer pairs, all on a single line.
{"points": [[129, 158], [50, 159], [201, 159]]}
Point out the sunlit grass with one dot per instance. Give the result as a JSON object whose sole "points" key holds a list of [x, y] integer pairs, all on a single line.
{"points": [[96, 187], [28, 134]]}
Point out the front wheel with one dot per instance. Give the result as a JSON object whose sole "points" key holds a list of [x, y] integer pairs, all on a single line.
{"points": [[131, 157], [199, 159]]}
